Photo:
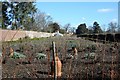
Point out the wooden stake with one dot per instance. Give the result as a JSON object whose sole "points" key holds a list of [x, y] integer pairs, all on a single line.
{"points": [[48, 61], [53, 45]]}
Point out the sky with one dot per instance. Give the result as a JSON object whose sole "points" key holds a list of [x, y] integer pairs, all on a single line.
{"points": [[77, 13]]}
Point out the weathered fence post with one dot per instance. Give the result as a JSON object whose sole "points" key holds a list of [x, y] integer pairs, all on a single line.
{"points": [[53, 45]]}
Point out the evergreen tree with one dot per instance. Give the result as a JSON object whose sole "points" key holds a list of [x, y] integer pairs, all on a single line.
{"points": [[18, 13], [5, 16], [81, 29], [54, 27], [96, 28]]}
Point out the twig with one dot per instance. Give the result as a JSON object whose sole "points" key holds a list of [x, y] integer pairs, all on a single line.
{"points": [[70, 66], [14, 35]]}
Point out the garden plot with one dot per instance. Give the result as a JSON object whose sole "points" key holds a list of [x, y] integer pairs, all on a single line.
{"points": [[95, 60]]}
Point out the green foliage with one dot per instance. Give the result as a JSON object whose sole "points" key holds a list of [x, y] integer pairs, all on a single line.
{"points": [[62, 31], [91, 48], [18, 55], [19, 14], [71, 43], [40, 56], [89, 55], [81, 29], [54, 27], [96, 28], [5, 16]]}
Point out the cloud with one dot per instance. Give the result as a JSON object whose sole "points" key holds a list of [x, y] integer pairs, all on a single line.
{"points": [[105, 10], [114, 20]]}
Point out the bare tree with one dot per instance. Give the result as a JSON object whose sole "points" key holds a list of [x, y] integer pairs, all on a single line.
{"points": [[112, 27], [42, 21], [67, 27], [72, 29]]}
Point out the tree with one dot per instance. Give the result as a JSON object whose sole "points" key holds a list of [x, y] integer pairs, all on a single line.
{"points": [[62, 31], [90, 30], [112, 27], [23, 14], [67, 27], [81, 29], [72, 29], [0, 14], [96, 28], [18, 13], [54, 27], [42, 21], [5, 16]]}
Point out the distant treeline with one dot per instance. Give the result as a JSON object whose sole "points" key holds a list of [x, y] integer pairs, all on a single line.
{"points": [[112, 37]]}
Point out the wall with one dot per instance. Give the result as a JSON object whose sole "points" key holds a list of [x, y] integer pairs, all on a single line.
{"points": [[8, 35]]}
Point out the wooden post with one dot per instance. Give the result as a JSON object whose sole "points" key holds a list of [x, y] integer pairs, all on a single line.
{"points": [[48, 61], [53, 45]]}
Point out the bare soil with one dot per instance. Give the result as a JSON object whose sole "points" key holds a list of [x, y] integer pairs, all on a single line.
{"points": [[107, 60]]}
